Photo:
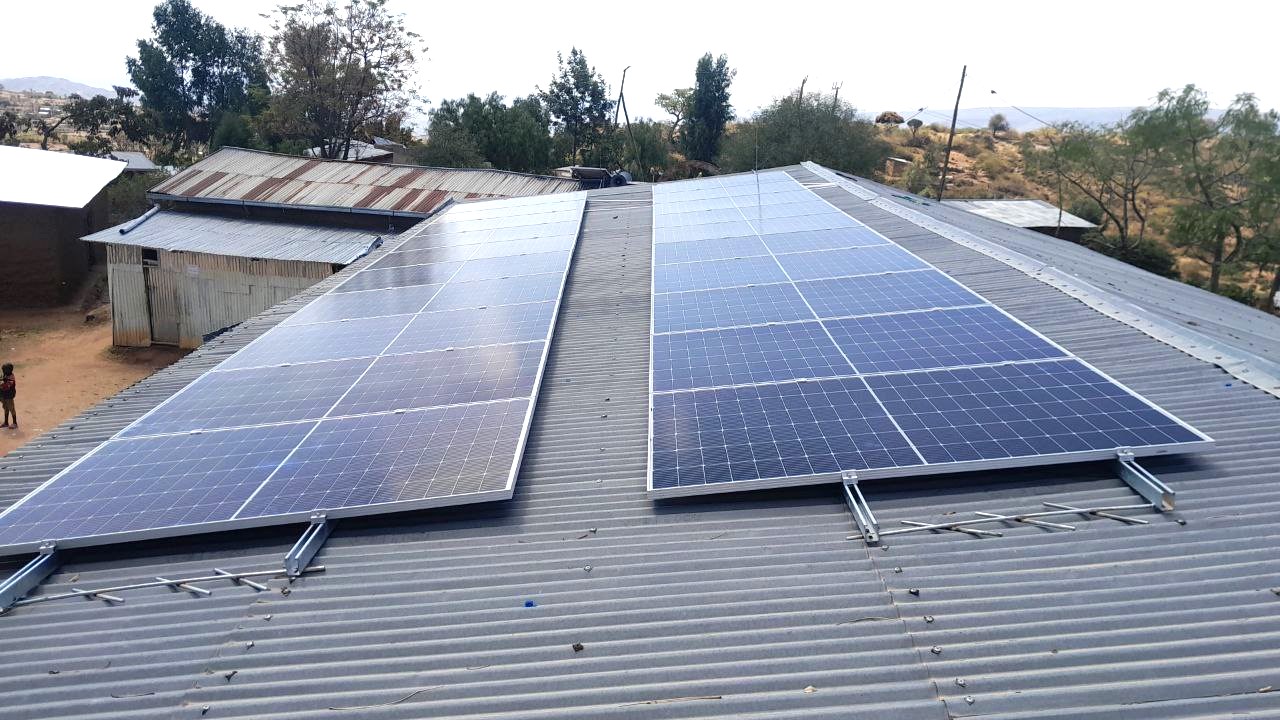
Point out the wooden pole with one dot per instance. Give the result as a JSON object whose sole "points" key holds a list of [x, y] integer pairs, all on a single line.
{"points": [[946, 159]]}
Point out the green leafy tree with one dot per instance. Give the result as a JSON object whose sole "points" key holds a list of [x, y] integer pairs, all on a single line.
{"points": [[508, 137], [677, 104], [813, 127], [1219, 171], [335, 68], [10, 126], [577, 101], [449, 146], [998, 123], [233, 130], [103, 121], [192, 71], [646, 151], [709, 109]]}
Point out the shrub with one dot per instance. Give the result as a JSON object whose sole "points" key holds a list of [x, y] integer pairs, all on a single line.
{"points": [[998, 123]]}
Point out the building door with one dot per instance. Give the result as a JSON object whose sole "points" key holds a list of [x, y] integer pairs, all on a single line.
{"points": [[162, 299]]}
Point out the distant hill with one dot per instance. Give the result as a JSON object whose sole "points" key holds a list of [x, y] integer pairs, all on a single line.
{"points": [[57, 86], [1018, 120]]}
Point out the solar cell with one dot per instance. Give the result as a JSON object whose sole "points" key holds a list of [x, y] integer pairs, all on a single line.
{"points": [[252, 397], [715, 249], [476, 326], [764, 353], [127, 486], [897, 292], [501, 267], [501, 291], [400, 277], [1021, 410], [326, 341], [936, 339], [729, 307], [849, 262], [400, 258], [689, 233], [418, 459], [771, 433], [716, 274], [367, 303], [509, 248], [445, 377], [830, 239]]}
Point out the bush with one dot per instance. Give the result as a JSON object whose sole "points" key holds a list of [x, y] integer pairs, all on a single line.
{"points": [[1087, 209], [1147, 255], [998, 123], [1239, 293]]}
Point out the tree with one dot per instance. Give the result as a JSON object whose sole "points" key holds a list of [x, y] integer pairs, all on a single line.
{"points": [[816, 127], [10, 126], [193, 71], [233, 130], [998, 123], [709, 109], [1111, 166], [915, 124], [103, 120], [647, 151], [676, 104], [888, 117], [578, 103], [449, 146], [336, 67], [514, 137], [1219, 171]]}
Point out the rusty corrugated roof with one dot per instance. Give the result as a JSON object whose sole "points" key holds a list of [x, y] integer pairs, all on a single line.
{"points": [[237, 176]]}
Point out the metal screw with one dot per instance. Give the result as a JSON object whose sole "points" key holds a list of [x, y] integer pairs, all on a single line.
{"points": [[914, 591], [928, 618], [961, 682], [897, 569], [266, 617], [969, 699], [285, 591], [936, 649], [204, 709], [248, 645], [587, 568]]}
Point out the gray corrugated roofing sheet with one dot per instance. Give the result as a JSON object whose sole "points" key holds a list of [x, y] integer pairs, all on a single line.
{"points": [[233, 175], [359, 151], [752, 605], [241, 237], [1022, 213], [137, 162]]}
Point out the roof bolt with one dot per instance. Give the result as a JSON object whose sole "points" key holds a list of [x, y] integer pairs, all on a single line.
{"points": [[969, 699], [914, 591], [1182, 521], [884, 548], [285, 591], [229, 675], [587, 568], [591, 530], [266, 617], [936, 649], [204, 709], [928, 618], [961, 682], [248, 645], [897, 569]]}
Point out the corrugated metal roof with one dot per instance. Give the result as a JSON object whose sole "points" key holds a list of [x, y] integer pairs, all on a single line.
{"points": [[753, 605], [360, 150], [241, 237], [233, 175], [138, 162], [1021, 213], [44, 177]]}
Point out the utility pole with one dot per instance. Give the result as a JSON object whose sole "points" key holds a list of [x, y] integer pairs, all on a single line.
{"points": [[622, 85], [946, 159]]}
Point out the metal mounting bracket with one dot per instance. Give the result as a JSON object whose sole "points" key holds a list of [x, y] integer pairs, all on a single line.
{"points": [[298, 558], [1143, 482], [858, 507], [22, 582]]}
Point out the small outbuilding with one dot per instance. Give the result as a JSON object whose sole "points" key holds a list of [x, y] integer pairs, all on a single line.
{"points": [[48, 200], [1035, 215], [178, 277]]}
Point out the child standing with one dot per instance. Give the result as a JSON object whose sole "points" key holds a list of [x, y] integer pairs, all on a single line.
{"points": [[8, 391]]}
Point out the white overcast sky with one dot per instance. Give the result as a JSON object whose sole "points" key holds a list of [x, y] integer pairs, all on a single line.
{"points": [[888, 55]]}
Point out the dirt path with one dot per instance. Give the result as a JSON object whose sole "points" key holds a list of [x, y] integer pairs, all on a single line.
{"points": [[64, 365]]}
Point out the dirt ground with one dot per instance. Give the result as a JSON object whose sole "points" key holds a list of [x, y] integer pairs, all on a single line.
{"points": [[65, 363]]}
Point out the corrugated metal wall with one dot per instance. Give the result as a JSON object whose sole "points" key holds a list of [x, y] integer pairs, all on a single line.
{"points": [[210, 292]]}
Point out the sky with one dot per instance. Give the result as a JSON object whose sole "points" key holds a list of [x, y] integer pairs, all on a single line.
{"points": [[885, 56]]}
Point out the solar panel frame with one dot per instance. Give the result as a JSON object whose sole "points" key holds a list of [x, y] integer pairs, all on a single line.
{"points": [[925, 468], [577, 206]]}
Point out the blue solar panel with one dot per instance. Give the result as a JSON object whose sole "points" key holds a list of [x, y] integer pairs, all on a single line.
{"points": [[252, 397], [832, 239], [873, 294], [400, 277], [770, 432], [440, 238], [936, 339], [716, 249], [166, 481], [501, 267], [704, 309], [764, 353], [368, 303], [423, 457], [445, 377], [716, 274], [503, 291], [326, 341], [476, 326], [849, 262], [425, 257], [510, 248], [741, 401], [1021, 410]]}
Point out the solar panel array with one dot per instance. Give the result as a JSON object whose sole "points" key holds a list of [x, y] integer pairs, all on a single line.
{"points": [[410, 385], [792, 344]]}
